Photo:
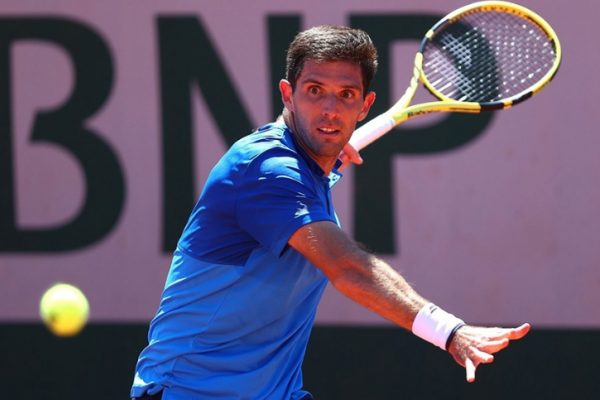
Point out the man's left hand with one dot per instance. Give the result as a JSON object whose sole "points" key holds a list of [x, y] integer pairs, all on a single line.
{"points": [[473, 345], [349, 154]]}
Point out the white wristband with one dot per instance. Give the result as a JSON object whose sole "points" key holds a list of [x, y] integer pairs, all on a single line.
{"points": [[436, 325]]}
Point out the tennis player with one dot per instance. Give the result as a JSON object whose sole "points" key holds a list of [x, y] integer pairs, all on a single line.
{"points": [[263, 242]]}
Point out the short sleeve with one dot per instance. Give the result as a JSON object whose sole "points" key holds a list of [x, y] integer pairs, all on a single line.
{"points": [[279, 194]]}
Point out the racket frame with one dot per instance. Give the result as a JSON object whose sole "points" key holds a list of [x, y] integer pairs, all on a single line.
{"points": [[401, 112], [494, 6]]}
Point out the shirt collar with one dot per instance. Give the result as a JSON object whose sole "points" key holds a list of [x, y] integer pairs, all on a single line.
{"points": [[334, 175]]}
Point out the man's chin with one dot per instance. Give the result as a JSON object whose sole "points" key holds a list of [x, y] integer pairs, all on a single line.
{"points": [[330, 150]]}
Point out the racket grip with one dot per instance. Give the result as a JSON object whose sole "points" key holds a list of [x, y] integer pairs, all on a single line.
{"points": [[371, 131]]}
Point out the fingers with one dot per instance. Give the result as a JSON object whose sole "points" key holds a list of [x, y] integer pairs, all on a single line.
{"points": [[345, 161], [518, 333], [470, 367], [495, 345], [475, 345], [349, 154], [352, 153], [471, 363], [483, 358], [507, 333]]}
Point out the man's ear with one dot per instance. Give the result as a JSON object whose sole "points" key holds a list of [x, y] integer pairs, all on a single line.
{"points": [[367, 103], [285, 88]]}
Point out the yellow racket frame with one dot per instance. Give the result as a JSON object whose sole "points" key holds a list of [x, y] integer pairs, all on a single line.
{"points": [[401, 112]]}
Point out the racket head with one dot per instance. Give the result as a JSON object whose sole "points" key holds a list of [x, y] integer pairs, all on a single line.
{"points": [[492, 54]]}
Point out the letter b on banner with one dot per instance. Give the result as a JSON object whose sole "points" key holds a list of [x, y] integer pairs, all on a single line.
{"points": [[63, 126]]}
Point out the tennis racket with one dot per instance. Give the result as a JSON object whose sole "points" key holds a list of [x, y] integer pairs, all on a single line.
{"points": [[486, 56]]}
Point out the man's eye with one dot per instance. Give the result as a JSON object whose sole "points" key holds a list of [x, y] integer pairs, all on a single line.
{"points": [[313, 90], [347, 95]]}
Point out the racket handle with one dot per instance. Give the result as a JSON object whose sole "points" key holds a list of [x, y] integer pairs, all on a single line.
{"points": [[372, 130]]}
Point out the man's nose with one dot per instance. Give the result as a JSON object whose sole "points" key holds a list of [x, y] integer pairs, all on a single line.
{"points": [[331, 106]]}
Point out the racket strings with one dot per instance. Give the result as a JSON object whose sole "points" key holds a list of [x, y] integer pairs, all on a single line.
{"points": [[460, 42], [517, 55], [487, 57]]}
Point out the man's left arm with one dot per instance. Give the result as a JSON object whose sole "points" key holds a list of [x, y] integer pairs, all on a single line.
{"points": [[371, 282]]}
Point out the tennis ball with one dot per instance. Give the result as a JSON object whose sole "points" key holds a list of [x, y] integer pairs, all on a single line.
{"points": [[64, 309]]}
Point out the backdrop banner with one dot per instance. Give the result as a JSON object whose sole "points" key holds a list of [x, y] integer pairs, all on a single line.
{"points": [[112, 114]]}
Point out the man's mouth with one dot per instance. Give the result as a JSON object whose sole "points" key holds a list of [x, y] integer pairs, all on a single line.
{"points": [[328, 130]]}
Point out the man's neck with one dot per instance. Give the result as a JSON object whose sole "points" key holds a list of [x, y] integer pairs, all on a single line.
{"points": [[326, 165]]}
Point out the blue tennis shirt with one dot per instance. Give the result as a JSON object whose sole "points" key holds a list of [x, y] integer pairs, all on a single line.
{"points": [[239, 303]]}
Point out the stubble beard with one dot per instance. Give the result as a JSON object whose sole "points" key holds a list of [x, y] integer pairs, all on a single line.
{"points": [[322, 149]]}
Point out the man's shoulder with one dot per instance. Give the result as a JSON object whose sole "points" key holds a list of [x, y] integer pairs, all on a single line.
{"points": [[270, 135], [272, 140]]}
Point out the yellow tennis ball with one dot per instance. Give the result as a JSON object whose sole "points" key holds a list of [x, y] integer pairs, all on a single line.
{"points": [[64, 309]]}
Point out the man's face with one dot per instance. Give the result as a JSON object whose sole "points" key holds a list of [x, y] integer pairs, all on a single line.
{"points": [[325, 106]]}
